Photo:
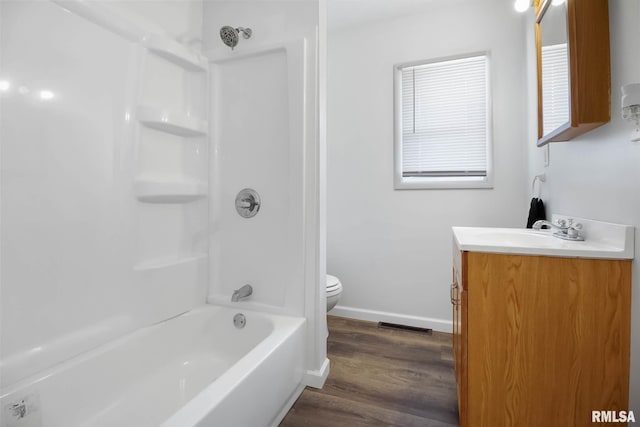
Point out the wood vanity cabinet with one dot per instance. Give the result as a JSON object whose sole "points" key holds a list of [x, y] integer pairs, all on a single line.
{"points": [[538, 340]]}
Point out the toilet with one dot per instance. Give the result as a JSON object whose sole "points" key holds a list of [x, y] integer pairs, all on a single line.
{"points": [[334, 289]]}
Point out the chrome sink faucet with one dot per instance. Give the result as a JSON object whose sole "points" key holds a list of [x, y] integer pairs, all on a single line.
{"points": [[566, 229], [242, 293]]}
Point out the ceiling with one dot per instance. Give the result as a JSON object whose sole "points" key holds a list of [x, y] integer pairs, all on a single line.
{"points": [[346, 13]]}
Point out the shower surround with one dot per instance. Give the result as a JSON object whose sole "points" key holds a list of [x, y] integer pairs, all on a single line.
{"points": [[123, 147]]}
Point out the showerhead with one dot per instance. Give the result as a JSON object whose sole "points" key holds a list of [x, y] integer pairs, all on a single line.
{"points": [[229, 35]]}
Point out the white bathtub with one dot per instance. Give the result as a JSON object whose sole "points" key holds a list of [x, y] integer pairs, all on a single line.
{"points": [[196, 369]]}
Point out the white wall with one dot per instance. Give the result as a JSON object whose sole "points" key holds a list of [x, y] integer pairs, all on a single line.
{"points": [[598, 174], [82, 260], [179, 19], [392, 249], [264, 251], [262, 82], [265, 137]]}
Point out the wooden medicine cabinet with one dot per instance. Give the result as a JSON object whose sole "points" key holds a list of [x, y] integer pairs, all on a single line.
{"points": [[574, 75]]}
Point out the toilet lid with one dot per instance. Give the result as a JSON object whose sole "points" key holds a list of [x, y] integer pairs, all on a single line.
{"points": [[333, 283]]}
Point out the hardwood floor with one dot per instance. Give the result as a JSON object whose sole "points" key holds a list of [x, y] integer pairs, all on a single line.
{"points": [[381, 377]]}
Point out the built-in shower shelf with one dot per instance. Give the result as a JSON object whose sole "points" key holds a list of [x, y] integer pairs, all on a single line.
{"points": [[169, 191], [169, 262], [173, 122], [173, 51]]}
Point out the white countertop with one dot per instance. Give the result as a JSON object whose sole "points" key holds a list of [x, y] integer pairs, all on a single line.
{"points": [[602, 240]]}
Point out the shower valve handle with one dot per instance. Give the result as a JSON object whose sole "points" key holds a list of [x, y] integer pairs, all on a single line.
{"points": [[247, 203]]}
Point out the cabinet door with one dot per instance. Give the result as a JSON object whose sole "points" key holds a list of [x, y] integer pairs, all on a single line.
{"points": [[549, 339]]}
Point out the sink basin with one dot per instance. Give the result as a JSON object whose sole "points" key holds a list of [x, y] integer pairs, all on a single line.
{"points": [[512, 236], [602, 240]]}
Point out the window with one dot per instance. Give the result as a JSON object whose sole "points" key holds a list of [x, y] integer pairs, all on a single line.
{"points": [[442, 123]]}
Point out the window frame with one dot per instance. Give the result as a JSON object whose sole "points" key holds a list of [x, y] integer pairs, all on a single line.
{"points": [[425, 183]]}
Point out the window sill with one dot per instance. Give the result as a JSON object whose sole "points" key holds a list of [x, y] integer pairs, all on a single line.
{"points": [[442, 183]]}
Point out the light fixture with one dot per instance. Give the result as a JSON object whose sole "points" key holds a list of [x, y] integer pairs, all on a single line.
{"points": [[4, 85], [522, 5], [46, 95], [631, 107]]}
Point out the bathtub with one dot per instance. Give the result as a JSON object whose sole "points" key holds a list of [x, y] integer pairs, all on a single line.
{"points": [[196, 369]]}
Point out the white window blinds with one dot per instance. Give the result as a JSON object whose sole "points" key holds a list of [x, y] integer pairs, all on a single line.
{"points": [[445, 118], [555, 87]]}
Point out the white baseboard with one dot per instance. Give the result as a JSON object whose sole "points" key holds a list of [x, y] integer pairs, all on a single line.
{"points": [[317, 378], [384, 316]]}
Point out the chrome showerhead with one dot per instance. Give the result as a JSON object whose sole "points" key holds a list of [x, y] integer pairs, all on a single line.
{"points": [[229, 35]]}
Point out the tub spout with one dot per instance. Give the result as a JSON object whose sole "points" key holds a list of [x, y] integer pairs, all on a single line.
{"points": [[242, 293]]}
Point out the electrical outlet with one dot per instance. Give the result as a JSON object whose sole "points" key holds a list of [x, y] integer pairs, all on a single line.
{"points": [[23, 412]]}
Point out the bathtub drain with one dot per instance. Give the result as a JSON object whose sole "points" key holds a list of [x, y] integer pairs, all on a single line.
{"points": [[239, 320]]}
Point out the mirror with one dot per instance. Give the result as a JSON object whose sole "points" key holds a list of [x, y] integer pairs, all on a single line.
{"points": [[574, 76], [554, 67]]}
